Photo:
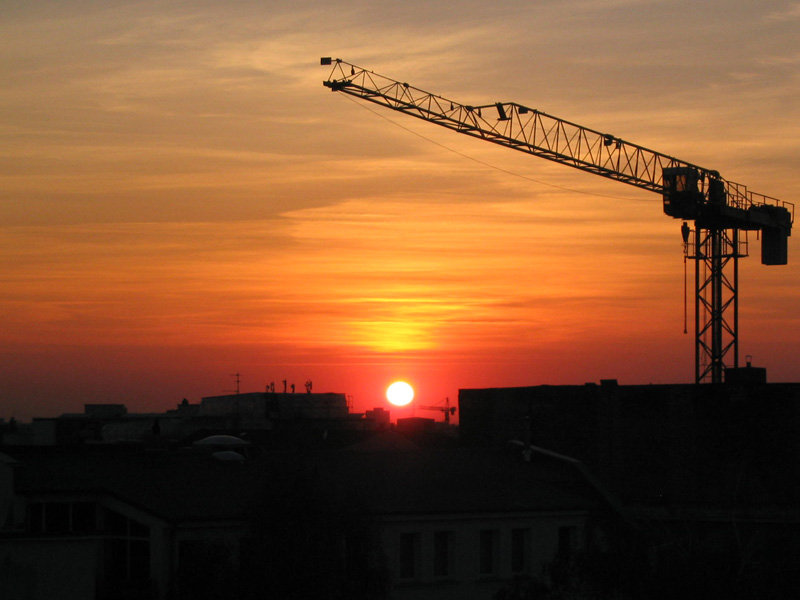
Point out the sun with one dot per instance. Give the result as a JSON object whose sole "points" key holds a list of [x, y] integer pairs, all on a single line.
{"points": [[400, 393]]}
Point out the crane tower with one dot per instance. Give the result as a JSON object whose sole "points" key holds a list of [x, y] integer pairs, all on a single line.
{"points": [[448, 410], [719, 209]]}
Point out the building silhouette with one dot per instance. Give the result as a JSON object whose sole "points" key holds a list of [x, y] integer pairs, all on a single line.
{"points": [[711, 473], [284, 496]]}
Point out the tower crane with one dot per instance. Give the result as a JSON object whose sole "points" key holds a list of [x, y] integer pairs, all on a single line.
{"points": [[719, 209], [446, 409]]}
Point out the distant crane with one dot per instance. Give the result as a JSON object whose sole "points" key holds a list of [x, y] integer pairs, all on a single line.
{"points": [[446, 409], [720, 209]]}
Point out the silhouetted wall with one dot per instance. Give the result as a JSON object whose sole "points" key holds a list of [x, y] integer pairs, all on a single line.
{"points": [[706, 445]]}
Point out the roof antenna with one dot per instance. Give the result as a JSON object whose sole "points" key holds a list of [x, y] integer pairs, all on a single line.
{"points": [[238, 381]]}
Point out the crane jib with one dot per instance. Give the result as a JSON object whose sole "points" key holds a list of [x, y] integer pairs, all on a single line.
{"points": [[652, 184], [635, 164]]}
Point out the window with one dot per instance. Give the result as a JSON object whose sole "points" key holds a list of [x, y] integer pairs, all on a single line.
{"points": [[83, 517], [36, 517], [442, 553], [356, 555], [487, 551], [115, 523], [566, 540], [56, 517], [409, 555], [75, 518], [127, 549], [520, 550]]}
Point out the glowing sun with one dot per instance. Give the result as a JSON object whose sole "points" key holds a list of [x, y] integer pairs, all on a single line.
{"points": [[400, 393]]}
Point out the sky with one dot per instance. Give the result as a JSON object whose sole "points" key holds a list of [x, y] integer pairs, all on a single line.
{"points": [[181, 199]]}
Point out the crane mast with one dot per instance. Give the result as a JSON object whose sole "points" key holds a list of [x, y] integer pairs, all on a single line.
{"points": [[720, 209]]}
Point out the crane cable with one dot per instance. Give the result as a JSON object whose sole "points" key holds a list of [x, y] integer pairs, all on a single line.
{"points": [[559, 187], [486, 164], [685, 296], [686, 235]]}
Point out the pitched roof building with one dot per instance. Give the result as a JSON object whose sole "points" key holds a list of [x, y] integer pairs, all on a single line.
{"points": [[380, 517]]}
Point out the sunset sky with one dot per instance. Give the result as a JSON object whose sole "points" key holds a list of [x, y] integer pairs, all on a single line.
{"points": [[181, 199]]}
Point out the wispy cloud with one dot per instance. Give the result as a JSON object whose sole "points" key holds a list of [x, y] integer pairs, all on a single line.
{"points": [[790, 12]]}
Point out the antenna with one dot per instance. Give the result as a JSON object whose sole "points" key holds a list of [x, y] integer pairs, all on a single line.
{"points": [[238, 381]]}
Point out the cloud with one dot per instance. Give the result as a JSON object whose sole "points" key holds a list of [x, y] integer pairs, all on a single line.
{"points": [[790, 12], [174, 176]]}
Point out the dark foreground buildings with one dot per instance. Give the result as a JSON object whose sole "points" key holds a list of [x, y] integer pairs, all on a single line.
{"points": [[273, 496], [710, 473], [595, 491]]}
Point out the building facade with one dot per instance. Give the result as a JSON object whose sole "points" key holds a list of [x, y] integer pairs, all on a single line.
{"points": [[381, 518], [711, 472]]}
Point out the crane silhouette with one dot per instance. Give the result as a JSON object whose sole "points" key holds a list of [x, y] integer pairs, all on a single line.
{"points": [[720, 209], [446, 409]]}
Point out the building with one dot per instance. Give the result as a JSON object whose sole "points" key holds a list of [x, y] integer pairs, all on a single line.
{"points": [[711, 471], [379, 518], [260, 409], [256, 412], [114, 522], [457, 523]]}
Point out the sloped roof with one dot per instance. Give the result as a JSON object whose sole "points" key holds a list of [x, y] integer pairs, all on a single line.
{"points": [[388, 476], [443, 481], [175, 486]]}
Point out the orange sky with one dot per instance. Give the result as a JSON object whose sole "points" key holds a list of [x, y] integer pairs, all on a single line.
{"points": [[181, 199]]}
